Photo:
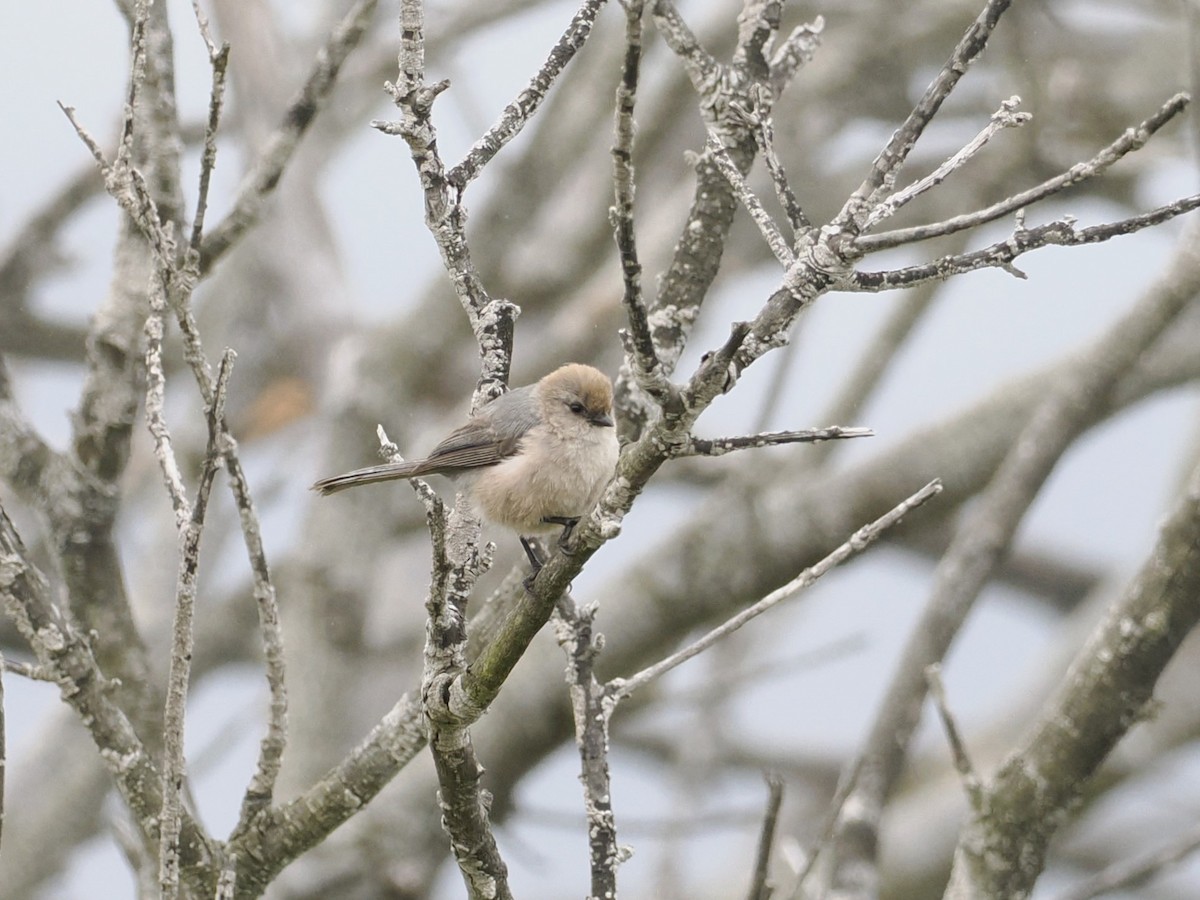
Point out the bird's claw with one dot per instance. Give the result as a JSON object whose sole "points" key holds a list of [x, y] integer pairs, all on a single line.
{"points": [[568, 524]]}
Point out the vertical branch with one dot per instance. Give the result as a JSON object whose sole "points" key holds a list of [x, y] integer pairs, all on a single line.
{"points": [[219, 61], [765, 136], [464, 802], [458, 561], [445, 216], [639, 342], [174, 765], [592, 707], [760, 886], [65, 654]]}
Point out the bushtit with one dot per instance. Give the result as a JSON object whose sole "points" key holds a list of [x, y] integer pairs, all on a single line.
{"points": [[533, 458]]}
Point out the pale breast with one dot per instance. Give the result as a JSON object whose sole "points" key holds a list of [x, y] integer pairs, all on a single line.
{"points": [[550, 476]]}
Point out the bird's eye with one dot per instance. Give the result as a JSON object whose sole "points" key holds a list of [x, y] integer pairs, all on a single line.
{"points": [[576, 407]]}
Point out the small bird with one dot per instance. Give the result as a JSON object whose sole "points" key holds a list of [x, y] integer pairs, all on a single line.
{"points": [[532, 459]]}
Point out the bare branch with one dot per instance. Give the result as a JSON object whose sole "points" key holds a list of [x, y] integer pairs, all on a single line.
{"points": [[859, 541], [1132, 139], [527, 103], [219, 60], [1130, 873], [260, 181], [760, 885], [958, 748], [26, 670], [770, 231], [491, 319], [639, 342], [721, 446], [794, 51], [985, 532], [592, 709], [156, 399], [765, 136], [1105, 692], [63, 651], [1005, 117], [1001, 254], [463, 802], [882, 176], [183, 639], [702, 69]]}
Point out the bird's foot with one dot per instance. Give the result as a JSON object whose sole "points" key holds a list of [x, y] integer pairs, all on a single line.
{"points": [[535, 562], [568, 523]]}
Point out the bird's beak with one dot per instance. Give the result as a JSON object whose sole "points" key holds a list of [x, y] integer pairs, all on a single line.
{"points": [[602, 419]]}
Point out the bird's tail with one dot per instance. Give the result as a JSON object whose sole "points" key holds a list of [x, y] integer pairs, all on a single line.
{"points": [[370, 475]]}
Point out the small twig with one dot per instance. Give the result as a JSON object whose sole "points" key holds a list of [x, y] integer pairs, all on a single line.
{"points": [[770, 231], [765, 135], [702, 69], [1136, 870], [32, 671], [518, 113], [179, 676], [260, 792], [760, 885], [721, 446], [1061, 233], [1005, 117], [156, 399], [1132, 139], [962, 760], [260, 181], [219, 61], [887, 164], [833, 815], [794, 51], [127, 186], [137, 76], [859, 541], [638, 340]]}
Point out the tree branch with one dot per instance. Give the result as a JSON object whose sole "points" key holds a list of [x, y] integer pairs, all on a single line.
{"points": [[1001, 254], [260, 181], [986, 531], [857, 542], [1132, 139], [527, 103], [1003, 850], [886, 166]]}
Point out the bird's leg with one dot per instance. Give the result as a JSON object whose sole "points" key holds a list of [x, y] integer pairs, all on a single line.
{"points": [[567, 522], [535, 558]]}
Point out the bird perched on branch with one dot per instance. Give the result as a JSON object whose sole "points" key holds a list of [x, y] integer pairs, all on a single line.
{"points": [[532, 459]]}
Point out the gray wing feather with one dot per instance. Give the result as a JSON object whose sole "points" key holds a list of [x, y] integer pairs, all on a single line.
{"points": [[489, 437]]}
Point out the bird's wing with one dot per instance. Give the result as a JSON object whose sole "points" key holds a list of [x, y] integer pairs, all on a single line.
{"points": [[491, 436]]}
